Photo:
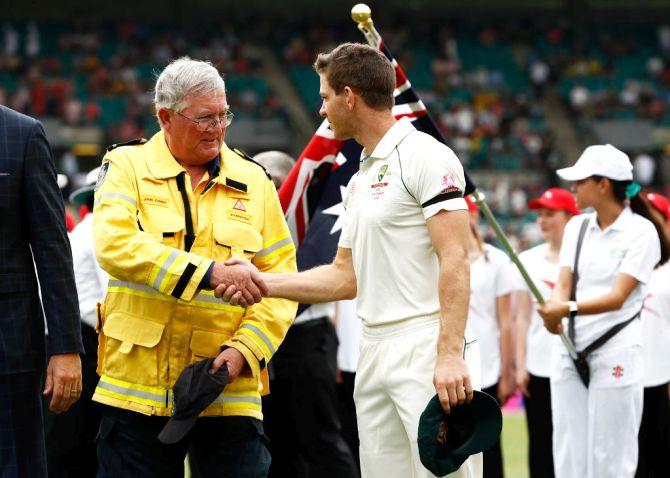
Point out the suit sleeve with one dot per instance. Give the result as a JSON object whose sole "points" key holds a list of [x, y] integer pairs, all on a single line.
{"points": [[130, 254], [45, 218], [265, 324]]}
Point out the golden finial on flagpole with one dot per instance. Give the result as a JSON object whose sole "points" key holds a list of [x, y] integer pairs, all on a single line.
{"points": [[362, 15]]}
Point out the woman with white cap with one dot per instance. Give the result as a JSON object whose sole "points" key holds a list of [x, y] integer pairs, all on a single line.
{"points": [[654, 436], [489, 318], [533, 342], [606, 260]]}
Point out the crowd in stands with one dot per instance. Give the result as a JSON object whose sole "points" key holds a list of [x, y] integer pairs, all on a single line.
{"points": [[484, 85], [96, 74]]}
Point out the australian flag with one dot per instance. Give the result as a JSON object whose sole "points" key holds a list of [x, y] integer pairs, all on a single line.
{"points": [[312, 195]]}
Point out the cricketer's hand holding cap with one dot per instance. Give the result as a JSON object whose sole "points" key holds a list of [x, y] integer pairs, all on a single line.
{"points": [[194, 390], [600, 160], [447, 440]]}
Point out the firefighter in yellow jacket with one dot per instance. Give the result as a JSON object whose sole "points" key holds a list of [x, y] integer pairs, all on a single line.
{"points": [[168, 213]]}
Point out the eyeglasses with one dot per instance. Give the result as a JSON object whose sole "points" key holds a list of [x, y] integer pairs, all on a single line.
{"points": [[209, 122]]}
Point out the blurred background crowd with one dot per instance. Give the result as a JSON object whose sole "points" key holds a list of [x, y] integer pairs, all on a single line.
{"points": [[515, 98]]}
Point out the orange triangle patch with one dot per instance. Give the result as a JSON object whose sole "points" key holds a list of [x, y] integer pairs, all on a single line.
{"points": [[239, 206]]}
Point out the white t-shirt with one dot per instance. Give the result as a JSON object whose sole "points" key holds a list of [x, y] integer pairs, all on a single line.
{"points": [[539, 342], [348, 334], [408, 178], [656, 328], [630, 245], [490, 277], [91, 280]]}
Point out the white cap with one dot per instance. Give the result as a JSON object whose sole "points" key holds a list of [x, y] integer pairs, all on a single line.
{"points": [[62, 180], [80, 196], [600, 160]]}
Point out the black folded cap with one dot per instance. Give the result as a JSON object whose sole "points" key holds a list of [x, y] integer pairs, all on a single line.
{"points": [[194, 390], [447, 440]]}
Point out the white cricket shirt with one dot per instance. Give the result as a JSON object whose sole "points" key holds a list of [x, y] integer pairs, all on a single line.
{"points": [[539, 342], [629, 245], [656, 328], [90, 279], [408, 178], [490, 278]]}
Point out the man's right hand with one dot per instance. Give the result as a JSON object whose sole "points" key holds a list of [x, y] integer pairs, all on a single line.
{"points": [[242, 279]]}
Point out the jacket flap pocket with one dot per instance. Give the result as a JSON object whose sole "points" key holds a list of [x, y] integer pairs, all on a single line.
{"points": [[158, 220], [238, 235], [207, 344], [132, 330]]}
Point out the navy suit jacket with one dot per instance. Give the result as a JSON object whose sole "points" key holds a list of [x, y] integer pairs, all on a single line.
{"points": [[32, 218]]}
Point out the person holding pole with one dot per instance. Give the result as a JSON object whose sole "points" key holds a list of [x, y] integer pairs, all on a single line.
{"points": [[403, 253], [554, 209], [489, 317], [606, 260]]}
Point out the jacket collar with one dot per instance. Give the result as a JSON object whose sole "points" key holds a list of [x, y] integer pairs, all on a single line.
{"points": [[162, 165]]}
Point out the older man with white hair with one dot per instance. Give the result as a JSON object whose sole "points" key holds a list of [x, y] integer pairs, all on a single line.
{"points": [[168, 213]]}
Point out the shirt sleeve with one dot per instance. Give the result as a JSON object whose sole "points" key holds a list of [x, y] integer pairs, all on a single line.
{"points": [[642, 255], [345, 235], [505, 277], [435, 179], [516, 279]]}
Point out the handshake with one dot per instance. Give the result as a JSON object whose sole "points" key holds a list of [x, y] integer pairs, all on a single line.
{"points": [[238, 282]]}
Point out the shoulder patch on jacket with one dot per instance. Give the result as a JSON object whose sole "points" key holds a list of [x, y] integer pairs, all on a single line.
{"points": [[244, 155], [132, 142]]}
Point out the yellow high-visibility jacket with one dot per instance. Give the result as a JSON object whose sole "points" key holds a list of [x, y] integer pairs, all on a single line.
{"points": [[156, 319]]}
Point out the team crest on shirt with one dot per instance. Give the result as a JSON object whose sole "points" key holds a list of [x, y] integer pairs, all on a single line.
{"points": [[618, 252], [449, 182], [617, 371], [379, 187]]}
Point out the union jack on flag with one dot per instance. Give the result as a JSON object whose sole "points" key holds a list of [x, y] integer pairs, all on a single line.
{"points": [[313, 192]]}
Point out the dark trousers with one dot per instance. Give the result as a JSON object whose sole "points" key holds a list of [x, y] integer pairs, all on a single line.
{"points": [[22, 452], [348, 414], [654, 435], [540, 429], [493, 464], [225, 447], [306, 437], [70, 436]]}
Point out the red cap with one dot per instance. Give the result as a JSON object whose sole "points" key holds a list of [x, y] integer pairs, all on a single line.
{"points": [[661, 203], [472, 205], [557, 199], [69, 221]]}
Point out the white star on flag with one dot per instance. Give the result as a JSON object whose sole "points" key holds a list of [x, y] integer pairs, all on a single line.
{"points": [[337, 210]]}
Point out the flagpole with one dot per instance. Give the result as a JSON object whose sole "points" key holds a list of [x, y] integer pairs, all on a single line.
{"points": [[362, 16]]}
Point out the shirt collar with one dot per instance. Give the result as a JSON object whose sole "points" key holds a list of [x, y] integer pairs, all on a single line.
{"points": [[391, 139], [163, 165], [619, 224]]}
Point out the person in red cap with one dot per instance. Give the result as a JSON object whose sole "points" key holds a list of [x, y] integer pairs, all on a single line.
{"points": [[489, 319], [654, 435], [554, 209]]}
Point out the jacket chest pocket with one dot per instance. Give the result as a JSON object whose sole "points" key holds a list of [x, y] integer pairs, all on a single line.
{"points": [[235, 240], [131, 348], [164, 226]]}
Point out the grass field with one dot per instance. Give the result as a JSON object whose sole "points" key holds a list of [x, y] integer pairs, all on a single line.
{"points": [[515, 445]]}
